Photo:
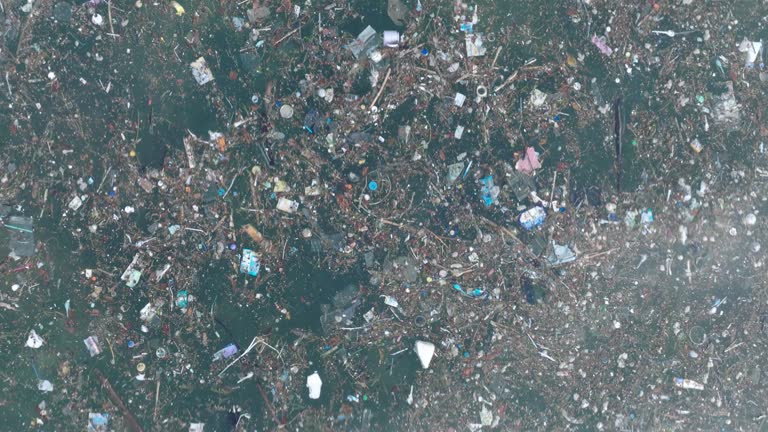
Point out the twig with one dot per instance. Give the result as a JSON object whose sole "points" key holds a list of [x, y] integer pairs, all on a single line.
{"points": [[383, 84], [7, 306], [232, 183], [352, 328], [104, 179], [10, 94], [105, 272], [247, 350], [256, 340], [109, 343], [286, 36]]}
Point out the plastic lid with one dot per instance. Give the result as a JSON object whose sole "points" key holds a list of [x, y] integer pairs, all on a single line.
{"points": [[140, 367], [372, 185], [286, 111]]}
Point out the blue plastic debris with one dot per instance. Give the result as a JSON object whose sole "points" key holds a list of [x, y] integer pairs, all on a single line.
{"points": [[475, 293], [250, 263], [182, 299], [227, 351], [532, 217], [560, 254], [98, 422], [646, 217], [372, 185], [489, 192]]}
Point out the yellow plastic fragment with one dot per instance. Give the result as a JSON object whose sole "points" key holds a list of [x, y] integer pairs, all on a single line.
{"points": [[179, 8]]}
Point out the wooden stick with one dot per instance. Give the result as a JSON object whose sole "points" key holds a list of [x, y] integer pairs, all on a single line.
{"points": [[552, 194], [411, 229], [269, 405], [504, 230], [496, 57], [129, 418], [508, 80], [595, 255], [157, 398], [286, 36], [384, 84], [109, 17]]}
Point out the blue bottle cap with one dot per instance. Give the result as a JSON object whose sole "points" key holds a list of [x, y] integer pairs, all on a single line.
{"points": [[424, 51], [372, 185], [131, 344]]}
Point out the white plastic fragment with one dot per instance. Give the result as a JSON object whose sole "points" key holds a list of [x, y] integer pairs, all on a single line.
{"points": [[201, 71], [391, 38], [286, 111], [688, 384], [390, 301], [315, 385], [287, 206], [486, 416], [425, 351], [34, 340], [44, 386], [751, 50], [459, 99], [75, 203]]}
